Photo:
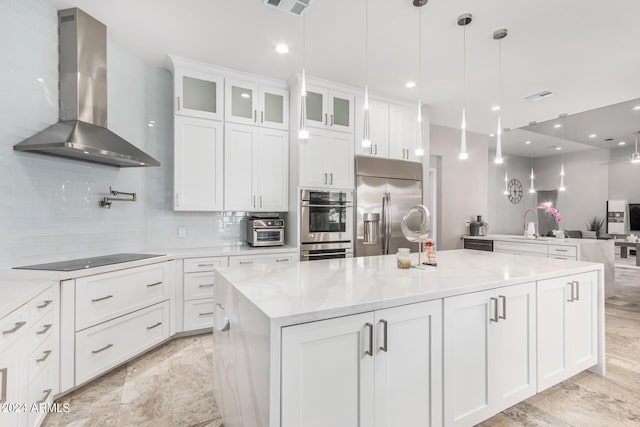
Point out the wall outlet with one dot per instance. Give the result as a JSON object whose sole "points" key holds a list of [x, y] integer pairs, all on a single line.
{"points": [[467, 223], [182, 232]]}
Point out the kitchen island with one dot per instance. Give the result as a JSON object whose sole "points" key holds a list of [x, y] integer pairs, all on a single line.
{"points": [[353, 342]]}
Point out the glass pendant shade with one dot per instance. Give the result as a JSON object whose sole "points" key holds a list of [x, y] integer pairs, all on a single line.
{"points": [[532, 188], [419, 150], [562, 187], [635, 157], [366, 140], [506, 184], [303, 132], [499, 160], [463, 137]]}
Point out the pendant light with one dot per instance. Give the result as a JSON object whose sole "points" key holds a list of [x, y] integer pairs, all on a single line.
{"points": [[499, 35], [532, 187], [506, 184], [303, 132], [562, 187], [366, 140], [464, 20], [635, 157], [419, 152]]}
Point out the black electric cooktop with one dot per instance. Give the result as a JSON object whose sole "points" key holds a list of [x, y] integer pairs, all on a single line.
{"points": [[84, 263]]}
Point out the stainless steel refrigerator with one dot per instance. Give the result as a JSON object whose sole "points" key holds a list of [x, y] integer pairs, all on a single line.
{"points": [[386, 191]]}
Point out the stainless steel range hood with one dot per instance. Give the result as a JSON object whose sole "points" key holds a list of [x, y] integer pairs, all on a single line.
{"points": [[82, 130]]}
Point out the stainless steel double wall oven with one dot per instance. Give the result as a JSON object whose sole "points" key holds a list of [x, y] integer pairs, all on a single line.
{"points": [[326, 224]]}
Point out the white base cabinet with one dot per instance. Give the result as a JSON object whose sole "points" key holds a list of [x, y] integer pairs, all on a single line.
{"points": [[380, 368], [567, 327]]}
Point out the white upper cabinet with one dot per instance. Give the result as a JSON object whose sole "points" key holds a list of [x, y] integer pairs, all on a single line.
{"points": [[378, 128], [254, 104], [403, 131], [256, 169], [329, 109], [198, 170], [198, 94], [326, 160]]}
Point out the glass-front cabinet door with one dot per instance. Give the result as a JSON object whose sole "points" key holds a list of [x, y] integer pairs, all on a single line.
{"points": [[274, 108], [198, 94], [341, 111], [241, 102], [317, 107]]}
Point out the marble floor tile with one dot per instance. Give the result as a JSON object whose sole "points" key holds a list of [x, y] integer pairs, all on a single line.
{"points": [[172, 385]]}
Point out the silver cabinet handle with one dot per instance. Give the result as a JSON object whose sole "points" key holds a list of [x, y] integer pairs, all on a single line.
{"points": [[369, 350], [376, 147], [154, 326], [178, 103], [208, 285], [45, 304], [325, 178], [227, 324], [206, 265], [570, 299], [45, 357], [495, 309], [385, 344], [561, 250], [254, 201], [504, 307], [17, 326], [331, 119], [208, 313], [46, 392], [261, 116], [151, 285], [177, 200], [331, 176], [325, 119], [108, 346], [245, 262], [260, 201], [45, 329], [282, 259], [577, 290], [3, 390], [102, 299], [255, 116]]}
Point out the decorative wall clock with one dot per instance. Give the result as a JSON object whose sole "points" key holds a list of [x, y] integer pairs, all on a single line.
{"points": [[515, 191]]}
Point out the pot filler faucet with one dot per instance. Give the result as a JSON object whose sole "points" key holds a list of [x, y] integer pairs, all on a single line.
{"points": [[527, 232]]}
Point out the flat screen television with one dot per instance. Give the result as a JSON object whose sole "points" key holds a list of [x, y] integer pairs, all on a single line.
{"points": [[634, 216]]}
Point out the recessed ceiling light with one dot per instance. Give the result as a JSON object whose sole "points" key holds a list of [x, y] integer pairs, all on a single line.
{"points": [[622, 143], [636, 108], [593, 135], [282, 48], [495, 108], [557, 125], [245, 95], [527, 142], [410, 85], [492, 135], [558, 148]]}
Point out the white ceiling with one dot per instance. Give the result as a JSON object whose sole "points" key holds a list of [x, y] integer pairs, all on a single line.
{"points": [[583, 50]]}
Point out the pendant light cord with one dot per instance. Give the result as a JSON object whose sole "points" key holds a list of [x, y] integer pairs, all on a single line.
{"points": [[464, 66], [366, 41], [419, 49], [304, 40]]}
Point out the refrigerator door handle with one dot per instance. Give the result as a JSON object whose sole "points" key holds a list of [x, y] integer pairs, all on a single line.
{"points": [[383, 225], [388, 224]]}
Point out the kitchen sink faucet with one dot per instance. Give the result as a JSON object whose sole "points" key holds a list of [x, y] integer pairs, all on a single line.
{"points": [[535, 234]]}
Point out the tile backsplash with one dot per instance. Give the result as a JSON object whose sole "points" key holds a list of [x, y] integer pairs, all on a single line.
{"points": [[49, 206]]}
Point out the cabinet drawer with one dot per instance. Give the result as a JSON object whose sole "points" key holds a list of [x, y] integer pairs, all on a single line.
{"points": [[523, 248], [40, 331], [43, 303], [569, 251], [40, 392], [103, 297], [198, 314], [13, 326], [198, 285], [192, 265], [262, 259], [41, 358], [104, 346]]}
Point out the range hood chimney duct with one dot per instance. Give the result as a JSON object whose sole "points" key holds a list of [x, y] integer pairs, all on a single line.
{"points": [[82, 132]]}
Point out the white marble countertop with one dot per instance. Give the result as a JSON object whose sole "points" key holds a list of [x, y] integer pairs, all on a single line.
{"points": [[17, 287], [538, 241], [307, 291]]}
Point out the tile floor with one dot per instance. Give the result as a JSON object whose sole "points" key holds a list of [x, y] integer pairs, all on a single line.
{"points": [[172, 385]]}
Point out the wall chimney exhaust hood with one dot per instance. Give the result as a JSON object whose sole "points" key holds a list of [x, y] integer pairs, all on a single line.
{"points": [[82, 132]]}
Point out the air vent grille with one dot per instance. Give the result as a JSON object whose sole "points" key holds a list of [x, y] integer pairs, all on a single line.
{"points": [[539, 96], [290, 6]]}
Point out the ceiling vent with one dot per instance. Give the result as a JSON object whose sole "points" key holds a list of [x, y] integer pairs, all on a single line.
{"points": [[539, 96], [291, 6]]}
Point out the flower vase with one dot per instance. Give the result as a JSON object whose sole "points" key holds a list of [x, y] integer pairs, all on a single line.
{"points": [[559, 233]]}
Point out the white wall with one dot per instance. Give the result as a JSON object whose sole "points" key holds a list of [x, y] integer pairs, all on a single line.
{"points": [[505, 217], [586, 180], [464, 182], [624, 177], [49, 206]]}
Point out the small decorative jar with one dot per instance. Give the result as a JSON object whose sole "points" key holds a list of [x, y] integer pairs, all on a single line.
{"points": [[404, 258]]}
